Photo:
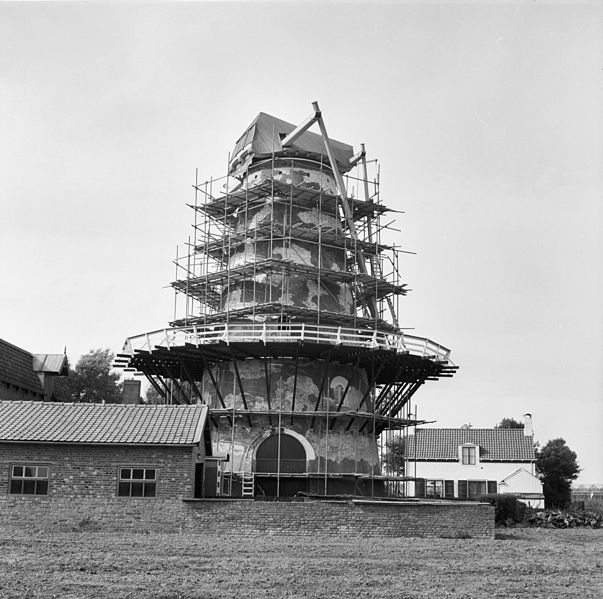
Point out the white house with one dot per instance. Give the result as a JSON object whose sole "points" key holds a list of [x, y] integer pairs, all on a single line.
{"points": [[464, 463], [525, 486]]}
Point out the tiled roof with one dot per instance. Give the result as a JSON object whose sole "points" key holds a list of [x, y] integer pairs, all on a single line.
{"points": [[44, 422], [496, 444]]}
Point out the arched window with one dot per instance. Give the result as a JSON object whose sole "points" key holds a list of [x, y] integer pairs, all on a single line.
{"points": [[338, 385], [292, 454], [338, 392]]}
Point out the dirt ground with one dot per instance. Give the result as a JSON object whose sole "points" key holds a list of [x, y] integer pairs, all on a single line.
{"points": [[532, 563]]}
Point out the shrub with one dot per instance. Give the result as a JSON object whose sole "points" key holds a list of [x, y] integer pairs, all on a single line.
{"points": [[507, 508], [594, 505]]}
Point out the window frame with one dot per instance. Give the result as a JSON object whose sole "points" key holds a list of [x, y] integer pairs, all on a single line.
{"points": [[472, 452], [435, 483], [144, 481], [474, 490], [465, 487], [37, 479]]}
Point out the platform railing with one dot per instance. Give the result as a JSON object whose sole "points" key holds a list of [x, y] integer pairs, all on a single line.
{"points": [[241, 332]]}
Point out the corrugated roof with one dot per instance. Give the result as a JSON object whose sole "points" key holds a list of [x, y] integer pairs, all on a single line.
{"points": [[44, 422], [264, 136], [496, 444]]}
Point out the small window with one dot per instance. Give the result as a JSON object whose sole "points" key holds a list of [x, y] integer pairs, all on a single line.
{"points": [[137, 482], [29, 480], [468, 455]]}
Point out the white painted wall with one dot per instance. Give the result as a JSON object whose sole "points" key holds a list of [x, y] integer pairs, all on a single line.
{"points": [[522, 482], [456, 471]]}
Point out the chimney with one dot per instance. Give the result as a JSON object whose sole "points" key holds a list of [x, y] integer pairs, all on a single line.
{"points": [[528, 430]]}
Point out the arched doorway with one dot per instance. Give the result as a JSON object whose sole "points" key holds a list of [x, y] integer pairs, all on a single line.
{"points": [[292, 455]]}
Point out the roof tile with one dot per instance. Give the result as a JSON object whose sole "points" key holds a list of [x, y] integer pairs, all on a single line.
{"points": [[496, 444], [44, 422]]}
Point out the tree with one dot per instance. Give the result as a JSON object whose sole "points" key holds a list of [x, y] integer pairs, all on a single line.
{"points": [[510, 423], [153, 397], [557, 466], [92, 380], [393, 460]]}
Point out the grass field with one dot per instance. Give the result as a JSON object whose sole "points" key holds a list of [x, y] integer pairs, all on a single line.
{"points": [[532, 563]]}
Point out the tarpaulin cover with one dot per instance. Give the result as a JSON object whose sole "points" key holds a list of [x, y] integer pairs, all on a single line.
{"points": [[263, 137]]}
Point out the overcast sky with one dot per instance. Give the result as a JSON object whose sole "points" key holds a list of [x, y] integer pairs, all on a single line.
{"points": [[486, 118]]}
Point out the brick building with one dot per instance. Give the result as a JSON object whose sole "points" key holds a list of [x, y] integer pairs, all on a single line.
{"points": [[147, 468], [58, 450], [35, 377]]}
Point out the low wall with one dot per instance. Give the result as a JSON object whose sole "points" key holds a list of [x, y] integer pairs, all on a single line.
{"points": [[251, 518]]}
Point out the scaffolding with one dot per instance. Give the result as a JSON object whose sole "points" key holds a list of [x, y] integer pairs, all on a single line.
{"points": [[287, 272], [276, 249]]}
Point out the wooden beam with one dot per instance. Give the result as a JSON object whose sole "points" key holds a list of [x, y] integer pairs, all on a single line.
{"points": [[191, 380], [322, 385], [240, 383], [345, 392], [372, 305], [267, 377], [213, 380], [156, 386], [295, 380], [299, 130]]}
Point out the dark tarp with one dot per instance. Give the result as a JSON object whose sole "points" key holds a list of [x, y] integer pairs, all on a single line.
{"points": [[264, 136]]}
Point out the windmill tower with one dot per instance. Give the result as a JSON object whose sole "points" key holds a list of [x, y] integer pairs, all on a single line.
{"points": [[290, 332]]}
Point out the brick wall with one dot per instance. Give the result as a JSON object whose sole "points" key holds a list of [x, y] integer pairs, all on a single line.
{"points": [[313, 518], [82, 496], [249, 518], [78, 471]]}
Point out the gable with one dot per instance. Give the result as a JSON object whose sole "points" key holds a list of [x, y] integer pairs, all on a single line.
{"points": [[520, 475], [521, 481], [51, 363], [24, 375], [16, 368]]}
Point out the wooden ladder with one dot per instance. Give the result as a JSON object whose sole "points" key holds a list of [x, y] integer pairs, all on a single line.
{"points": [[248, 484]]}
